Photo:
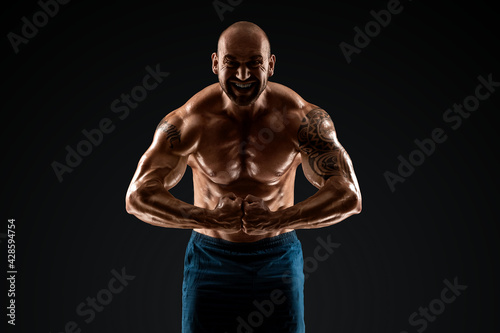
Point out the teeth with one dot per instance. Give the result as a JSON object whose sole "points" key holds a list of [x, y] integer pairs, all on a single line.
{"points": [[239, 85]]}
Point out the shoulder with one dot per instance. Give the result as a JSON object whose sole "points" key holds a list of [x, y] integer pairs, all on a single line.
{"points": [[290, 104], [205, 101], [202, 103], [182, 127]]}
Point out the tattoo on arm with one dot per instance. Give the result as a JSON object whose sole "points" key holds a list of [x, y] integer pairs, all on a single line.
{"points": [[316, 139], [173, 134]]}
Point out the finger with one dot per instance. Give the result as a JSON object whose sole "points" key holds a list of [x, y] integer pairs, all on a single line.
{"points": [[246, 204], [252, 198], [249, 206], [246, 225], [248, 221], [230, 195]]}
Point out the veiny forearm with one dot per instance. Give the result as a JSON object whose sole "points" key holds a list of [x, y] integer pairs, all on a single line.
{"points": [[334, 202], [153, 204]]}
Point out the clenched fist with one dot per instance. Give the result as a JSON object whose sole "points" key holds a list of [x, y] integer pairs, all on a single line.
{"points": [[228, 213], [257, 216]]}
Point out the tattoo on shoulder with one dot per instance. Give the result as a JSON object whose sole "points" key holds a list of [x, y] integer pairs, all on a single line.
{"points": [[173, 134], [316, 139]]}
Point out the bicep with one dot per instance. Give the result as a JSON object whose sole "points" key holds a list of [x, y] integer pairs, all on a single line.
{"points": [[322, 155], [164, 162], [158, 167]]}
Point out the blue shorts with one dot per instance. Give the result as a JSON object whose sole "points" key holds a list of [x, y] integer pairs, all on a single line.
{"points": [[243, 287]]}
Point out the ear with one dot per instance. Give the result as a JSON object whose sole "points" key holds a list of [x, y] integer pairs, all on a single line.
{"points": [[272, 63], [215, 63]]}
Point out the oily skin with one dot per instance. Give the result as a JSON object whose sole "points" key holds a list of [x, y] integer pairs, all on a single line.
{"points": [[243, 138], [243, 58]]}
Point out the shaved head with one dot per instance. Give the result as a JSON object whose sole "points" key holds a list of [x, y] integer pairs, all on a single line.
{"points": [[243, 30], [243, 62]]}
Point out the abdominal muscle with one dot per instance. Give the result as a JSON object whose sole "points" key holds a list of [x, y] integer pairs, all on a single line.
{"points": [[240, 236], [276, 197]]}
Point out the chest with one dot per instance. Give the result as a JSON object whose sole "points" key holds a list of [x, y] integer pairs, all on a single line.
{"points": [[228, 150]]}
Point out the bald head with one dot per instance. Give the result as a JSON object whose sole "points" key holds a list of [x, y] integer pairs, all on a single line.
{"points": [[242, 31], [243, 62]]}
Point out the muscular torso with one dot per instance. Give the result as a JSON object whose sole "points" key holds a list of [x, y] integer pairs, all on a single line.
{"points": [[244, 154]]}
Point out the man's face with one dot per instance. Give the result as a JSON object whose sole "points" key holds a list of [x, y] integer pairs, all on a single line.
{"points": [[243, 65]]}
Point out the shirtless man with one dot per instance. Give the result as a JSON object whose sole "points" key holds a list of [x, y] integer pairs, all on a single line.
{"points": [[243, 138]]}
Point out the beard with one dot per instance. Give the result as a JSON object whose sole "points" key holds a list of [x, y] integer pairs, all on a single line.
{"points": [[243, 96]]}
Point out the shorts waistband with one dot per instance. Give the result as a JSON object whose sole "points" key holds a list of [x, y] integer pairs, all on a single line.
{"points": [[266, 243]]}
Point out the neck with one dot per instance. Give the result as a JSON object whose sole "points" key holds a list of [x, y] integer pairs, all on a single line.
{"points": [[240, 111]]}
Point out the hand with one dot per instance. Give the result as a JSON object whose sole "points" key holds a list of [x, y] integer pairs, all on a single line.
{"points": [[228, 213], [257, 216]]}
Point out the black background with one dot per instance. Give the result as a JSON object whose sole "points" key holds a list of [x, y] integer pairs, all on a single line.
{"points": [[441, 223]]}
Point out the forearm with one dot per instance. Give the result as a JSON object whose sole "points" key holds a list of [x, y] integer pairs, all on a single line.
{"points": [[334, 202], [153, 204]]}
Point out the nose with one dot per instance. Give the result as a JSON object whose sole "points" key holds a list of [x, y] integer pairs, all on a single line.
{"points": [[243, 73]]}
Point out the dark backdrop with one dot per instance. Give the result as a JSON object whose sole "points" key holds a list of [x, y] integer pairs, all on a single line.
{"points": [[439, 224]]}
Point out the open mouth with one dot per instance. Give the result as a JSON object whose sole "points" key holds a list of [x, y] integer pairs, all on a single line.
{"points": [[243, 86]]}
